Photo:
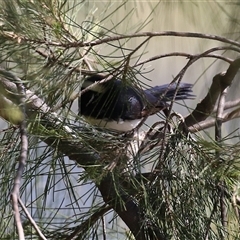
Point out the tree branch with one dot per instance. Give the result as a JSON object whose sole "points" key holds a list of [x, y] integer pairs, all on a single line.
{"points": [[219, 83], [71, 145], [12, 35]]}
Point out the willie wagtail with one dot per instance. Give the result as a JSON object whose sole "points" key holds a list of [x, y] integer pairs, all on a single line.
{"points": [[117, 106]]}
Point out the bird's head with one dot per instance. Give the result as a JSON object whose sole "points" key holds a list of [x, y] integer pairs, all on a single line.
{"points": [[94, 81]]}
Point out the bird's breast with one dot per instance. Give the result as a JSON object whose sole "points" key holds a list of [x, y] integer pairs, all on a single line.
{"points": [[121, 125]]}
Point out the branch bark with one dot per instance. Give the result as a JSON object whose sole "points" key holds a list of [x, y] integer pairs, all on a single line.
{"points": [[221, 81]]}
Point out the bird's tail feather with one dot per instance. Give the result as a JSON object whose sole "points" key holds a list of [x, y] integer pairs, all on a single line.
{"points": [[167, 92]]}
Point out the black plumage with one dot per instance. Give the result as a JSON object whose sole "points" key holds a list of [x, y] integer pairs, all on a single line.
{"points": [[116, 102]]}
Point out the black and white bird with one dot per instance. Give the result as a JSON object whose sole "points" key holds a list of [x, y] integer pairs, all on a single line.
{"points": [[117, 106]]}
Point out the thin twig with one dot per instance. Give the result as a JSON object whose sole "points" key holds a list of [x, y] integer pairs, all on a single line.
{"points": [[218, 138], [127, 61], [103, 228], [191, 56], [220, 81], [219, 116], [31, 220], [211, 122], [229, 104], [23, 152], [121, 37]]}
